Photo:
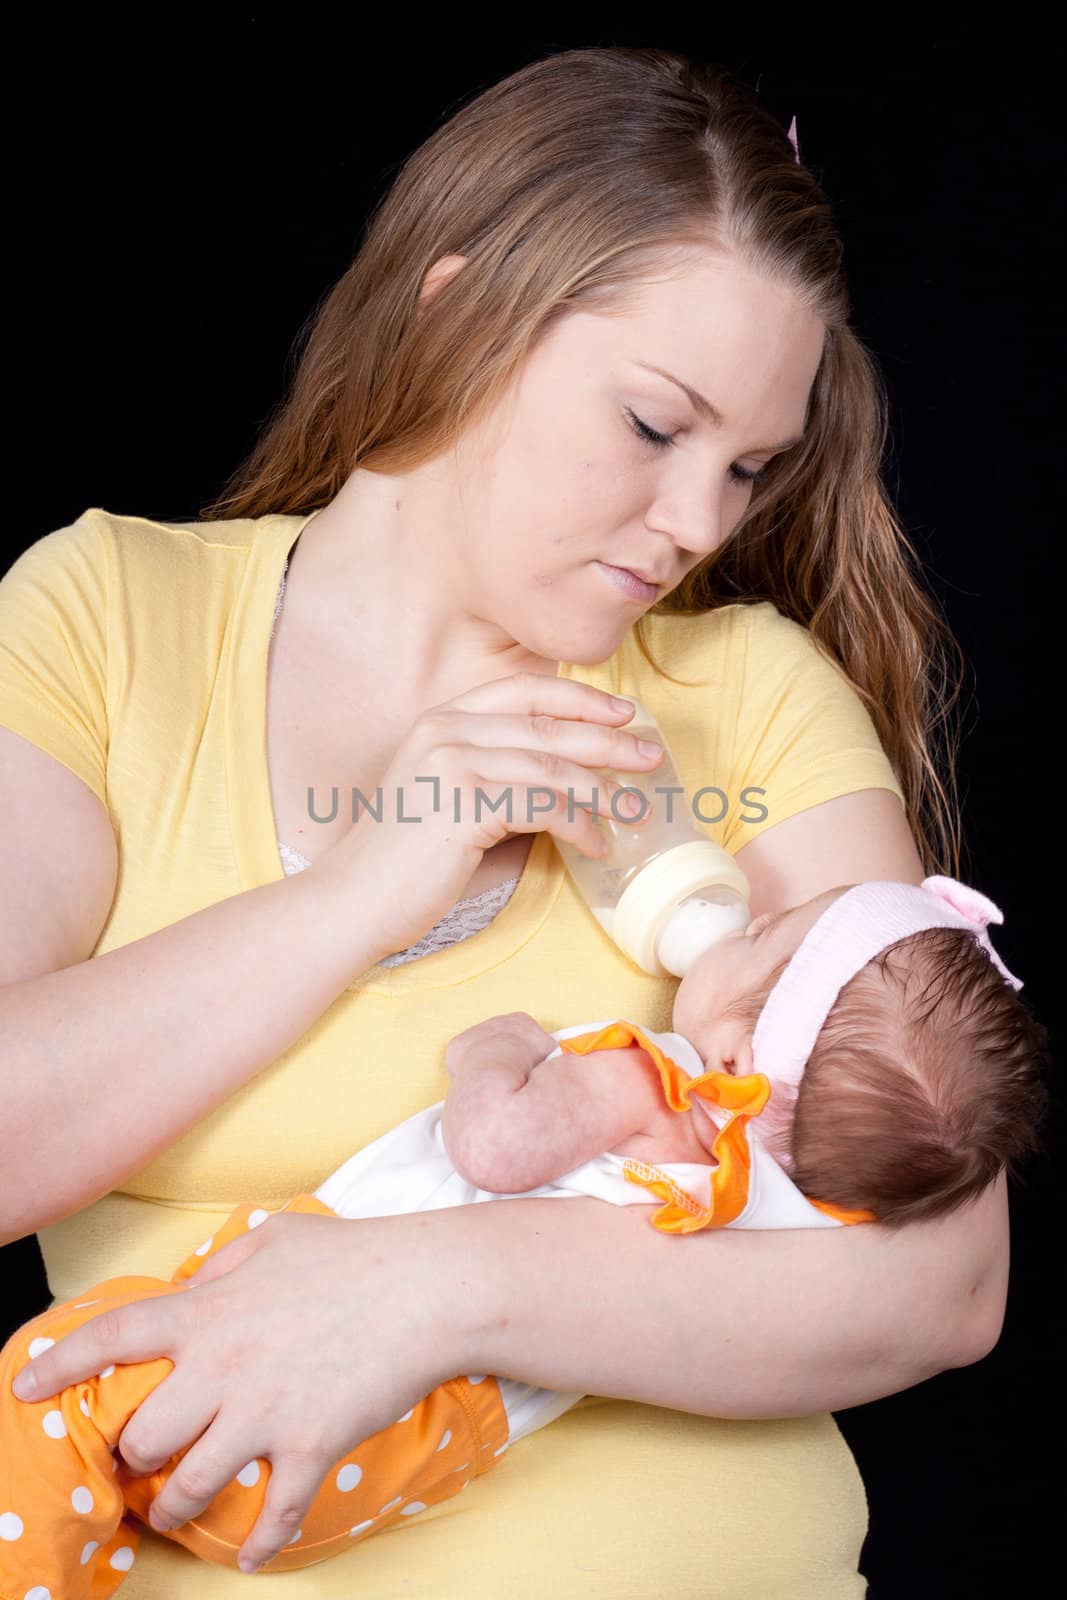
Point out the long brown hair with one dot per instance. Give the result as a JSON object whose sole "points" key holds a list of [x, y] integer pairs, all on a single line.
{"points": [[566, 186]]}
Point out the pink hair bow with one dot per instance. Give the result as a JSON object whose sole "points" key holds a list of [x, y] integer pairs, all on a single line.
{"points": [[977, 908]]}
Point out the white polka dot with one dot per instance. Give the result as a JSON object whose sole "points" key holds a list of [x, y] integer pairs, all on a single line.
{"points": [[108, 1371], [463, 1468], [82, 1304], [39, 1346], [122, 1560], [479, 1379], [445, 1439], [391, 1504], [413, 1506], [83, 1406], [361, 1527], [249, 1475], [202, 1249], [10, 1527], [500, 1452], [38, 1592], [348, 1477], [53, 1424], [89, 1551], [82, 1500], [406, 1415], [297, 1535], [257, 1217]]}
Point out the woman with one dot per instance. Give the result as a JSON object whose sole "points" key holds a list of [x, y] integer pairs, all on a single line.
{"points": [[598, 324]]}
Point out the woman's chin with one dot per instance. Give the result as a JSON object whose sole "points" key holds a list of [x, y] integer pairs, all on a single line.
{"points": [[599, 633], [594, 635], [593, 647]]}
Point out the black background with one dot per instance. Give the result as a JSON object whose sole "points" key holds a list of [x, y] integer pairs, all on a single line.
{"points": [[190, 181]]}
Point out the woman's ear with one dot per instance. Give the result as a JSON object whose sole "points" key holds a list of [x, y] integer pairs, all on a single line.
{"points": [[439, 274]]}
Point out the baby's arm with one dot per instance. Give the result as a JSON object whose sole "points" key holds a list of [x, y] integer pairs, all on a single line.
{"points": [[513, 1120]]}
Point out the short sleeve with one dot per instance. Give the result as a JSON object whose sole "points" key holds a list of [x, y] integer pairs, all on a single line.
{"points": [[53, 648], [803, 735]]}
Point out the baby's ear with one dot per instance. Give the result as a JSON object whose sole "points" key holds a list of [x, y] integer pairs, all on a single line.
{"points": [[735, 1054]]}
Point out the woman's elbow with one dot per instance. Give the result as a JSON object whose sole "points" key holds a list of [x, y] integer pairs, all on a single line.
{"points": [[980, 1302], [22, 1216], [983, 1321], [30, 1204]]}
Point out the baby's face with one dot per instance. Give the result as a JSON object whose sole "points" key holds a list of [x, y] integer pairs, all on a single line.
{"points": [[739, 963]]}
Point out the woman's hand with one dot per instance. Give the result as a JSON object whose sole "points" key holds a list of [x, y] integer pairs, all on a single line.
{"points": [[517, 744], [293, 1343]]}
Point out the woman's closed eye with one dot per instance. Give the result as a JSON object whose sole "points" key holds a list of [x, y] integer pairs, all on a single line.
{"points": [[660, 441]]}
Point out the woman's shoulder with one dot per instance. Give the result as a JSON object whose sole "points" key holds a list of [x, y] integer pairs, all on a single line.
{"points": [[157, 556], [729, 642], [126, 530], [761, 619], [100, 537], [762, 709], [74, 581]]}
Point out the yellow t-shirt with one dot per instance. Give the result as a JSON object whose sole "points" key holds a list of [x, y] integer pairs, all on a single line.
{"points": [[135, 652]]}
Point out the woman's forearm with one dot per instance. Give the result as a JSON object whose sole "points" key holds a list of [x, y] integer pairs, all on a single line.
{"points": [[108, 1062], [583, 1296]]}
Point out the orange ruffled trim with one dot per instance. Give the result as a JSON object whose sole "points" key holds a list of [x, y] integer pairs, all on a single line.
{"points": [[740, 1097]]}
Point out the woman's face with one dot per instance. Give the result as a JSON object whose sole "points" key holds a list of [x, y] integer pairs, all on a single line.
{"points": [[558, 487]]}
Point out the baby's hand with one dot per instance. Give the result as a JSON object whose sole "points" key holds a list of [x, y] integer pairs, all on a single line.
{"points": [[484, 1038]]}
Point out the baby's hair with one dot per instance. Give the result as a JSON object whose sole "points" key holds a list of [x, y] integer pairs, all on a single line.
{"points": [[927, 1079]]}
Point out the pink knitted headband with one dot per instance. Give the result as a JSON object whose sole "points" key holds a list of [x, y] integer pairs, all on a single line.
{"points": [[853, 929]]}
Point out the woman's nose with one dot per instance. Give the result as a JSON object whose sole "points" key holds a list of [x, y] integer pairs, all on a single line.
{"points": [[698, 522]]}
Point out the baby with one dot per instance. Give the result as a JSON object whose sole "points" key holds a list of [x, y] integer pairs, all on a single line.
{"points": [[862, 1056]]}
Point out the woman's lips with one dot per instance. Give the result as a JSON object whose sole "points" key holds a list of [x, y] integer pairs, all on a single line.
{"points": [[633, 587]]}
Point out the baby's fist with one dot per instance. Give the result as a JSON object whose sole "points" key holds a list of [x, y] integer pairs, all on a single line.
{"points": [[509, 1030]]}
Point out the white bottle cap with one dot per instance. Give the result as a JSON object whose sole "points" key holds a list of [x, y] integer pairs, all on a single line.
{"points": [[648, 902], [695, 926]]}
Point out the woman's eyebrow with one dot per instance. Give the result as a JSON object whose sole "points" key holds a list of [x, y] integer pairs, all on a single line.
{"points": [[713, 414]]}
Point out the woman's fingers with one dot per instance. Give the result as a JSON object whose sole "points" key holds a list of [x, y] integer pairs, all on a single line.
{"points": [[526, 786], [178, 1410], [224, 1259], [216, 1459], [532, 692], [294, 1480], [592, 744], [294, 1483], [140, 1331]]}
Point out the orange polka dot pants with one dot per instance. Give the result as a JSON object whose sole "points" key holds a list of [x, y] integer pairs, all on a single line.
{"points": [[72, 1515]]}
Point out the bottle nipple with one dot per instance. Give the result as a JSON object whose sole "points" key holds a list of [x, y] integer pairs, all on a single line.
{"points": [[695, 925]]}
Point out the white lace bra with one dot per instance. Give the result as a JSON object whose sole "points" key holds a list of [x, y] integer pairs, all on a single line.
{"points": [[465, 918]]}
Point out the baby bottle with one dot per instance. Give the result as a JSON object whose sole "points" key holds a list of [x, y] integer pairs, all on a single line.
{"points": [[664, 892]]}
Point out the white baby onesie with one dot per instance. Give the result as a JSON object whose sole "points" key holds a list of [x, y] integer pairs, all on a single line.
{"points": [[408, 1169]]}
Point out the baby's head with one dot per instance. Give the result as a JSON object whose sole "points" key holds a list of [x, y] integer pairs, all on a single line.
{"points": [[903, 1081]]}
